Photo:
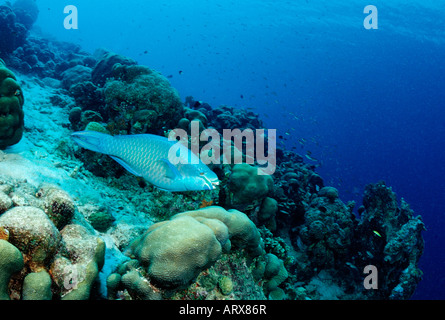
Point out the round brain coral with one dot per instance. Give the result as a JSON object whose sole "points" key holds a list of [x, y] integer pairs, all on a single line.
{"points": [[11, 108], [174, 252]]}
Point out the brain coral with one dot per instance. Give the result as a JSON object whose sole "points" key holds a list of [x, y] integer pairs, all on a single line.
{"points": [[11, 108], [174, 252]]}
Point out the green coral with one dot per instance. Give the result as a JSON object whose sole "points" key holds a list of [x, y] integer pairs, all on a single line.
{"points": [[266, 215], [174, 252], [209, 280], [11, 261], [247, 186], [11, 108], [37, 286], [33, 233], [275, 272], [225, 284], [96, 126], [101, 220], [77, 264], [140, 100]]}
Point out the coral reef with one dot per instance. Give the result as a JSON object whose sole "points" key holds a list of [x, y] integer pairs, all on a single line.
{"points": [[77, 264], [398, 248], [328, 230], [247, 186], [13, 32], [33, 233], [11, 108], [140, 100], [26, 12], [174, 252], [46, 255], [73, 225]]}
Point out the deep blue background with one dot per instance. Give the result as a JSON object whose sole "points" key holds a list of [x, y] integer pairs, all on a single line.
{"points": [[369, 103]]}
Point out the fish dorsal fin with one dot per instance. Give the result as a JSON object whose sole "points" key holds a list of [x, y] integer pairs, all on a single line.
{"points": [[171, 171], [126, 166]]}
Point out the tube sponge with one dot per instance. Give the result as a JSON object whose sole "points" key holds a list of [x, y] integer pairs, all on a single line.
{"points": [[11, 108]]}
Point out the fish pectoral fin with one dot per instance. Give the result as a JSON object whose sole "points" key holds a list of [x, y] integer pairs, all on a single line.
{"points": [[171, 171], [126, 166]]}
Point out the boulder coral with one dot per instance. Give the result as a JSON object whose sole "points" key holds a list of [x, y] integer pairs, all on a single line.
{"points": [[328, 231], [396, 247], [47, 256], [11, 108], [104, 66], [140, 100], [37, 286], [58, 205], [33, 233], [174, 252], [77, 264], [11, 261], [247, 186], [13, 33]]}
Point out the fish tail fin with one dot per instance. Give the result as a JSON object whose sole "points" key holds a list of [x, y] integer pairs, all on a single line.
{"points": [[92, 140]]}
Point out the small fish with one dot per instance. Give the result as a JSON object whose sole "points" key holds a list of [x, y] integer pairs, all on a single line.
{"points": [[147, 156], [308, 156], [377, 233], [349, 264]]}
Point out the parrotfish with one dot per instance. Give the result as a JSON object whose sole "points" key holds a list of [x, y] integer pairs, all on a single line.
{"points": [[147, 156]]}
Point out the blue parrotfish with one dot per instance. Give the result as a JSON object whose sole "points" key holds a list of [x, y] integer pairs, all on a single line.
{"points": [[147, 156]]}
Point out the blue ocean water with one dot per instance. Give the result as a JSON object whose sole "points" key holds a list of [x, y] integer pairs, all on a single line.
{"points": [[367, 104]]}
